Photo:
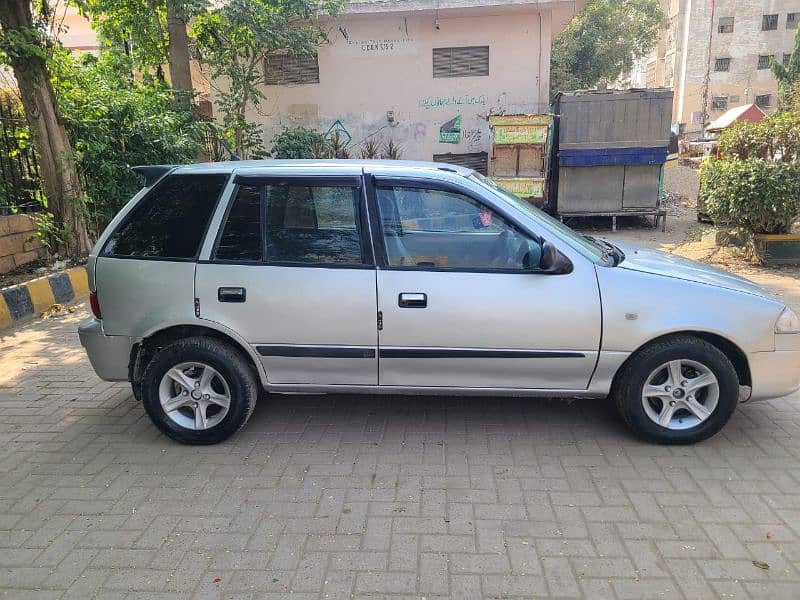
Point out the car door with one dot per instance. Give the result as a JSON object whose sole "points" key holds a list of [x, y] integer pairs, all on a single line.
{"points": [[291, 270], [462, 302]]}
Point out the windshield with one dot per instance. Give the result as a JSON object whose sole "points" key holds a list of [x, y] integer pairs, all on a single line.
{"points": [[588, 248]]}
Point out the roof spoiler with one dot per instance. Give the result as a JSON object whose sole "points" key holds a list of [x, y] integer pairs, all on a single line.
{"points": [[152, 173]]}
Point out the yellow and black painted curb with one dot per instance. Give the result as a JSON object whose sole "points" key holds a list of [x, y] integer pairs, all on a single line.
{"points": [[21, 302]]}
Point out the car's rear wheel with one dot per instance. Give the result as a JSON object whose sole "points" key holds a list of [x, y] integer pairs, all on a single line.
{"points": [[199, 390], [679, 390]]}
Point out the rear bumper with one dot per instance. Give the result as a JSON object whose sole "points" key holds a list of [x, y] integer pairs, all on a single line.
{"points": [[109, 354], [776, 374]]}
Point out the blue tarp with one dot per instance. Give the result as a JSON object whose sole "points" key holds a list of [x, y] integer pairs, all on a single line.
{"points": [[595, 157]]}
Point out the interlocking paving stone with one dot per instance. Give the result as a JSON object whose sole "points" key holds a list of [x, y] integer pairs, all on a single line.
{"points": [[367, 497]]}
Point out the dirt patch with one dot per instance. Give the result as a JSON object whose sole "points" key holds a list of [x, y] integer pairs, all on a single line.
{"points": [[34, 270]]}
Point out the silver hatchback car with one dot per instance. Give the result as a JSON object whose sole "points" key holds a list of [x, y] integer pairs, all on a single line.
{"points": [[219, 280]]}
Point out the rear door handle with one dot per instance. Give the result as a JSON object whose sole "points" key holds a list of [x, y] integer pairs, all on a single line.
{"points": [[231, 294], [412, 300]]}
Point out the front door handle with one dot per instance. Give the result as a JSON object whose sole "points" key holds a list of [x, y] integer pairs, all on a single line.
{"points": [[412, 300], [231, 294]]}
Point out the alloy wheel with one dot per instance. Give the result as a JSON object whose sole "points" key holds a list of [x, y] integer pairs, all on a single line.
{"points": [[680, 394], [194, 395]]}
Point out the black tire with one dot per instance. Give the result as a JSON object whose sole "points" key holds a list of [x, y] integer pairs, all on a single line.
{"points": [[228, 362], [629, 384], [136, 388]]}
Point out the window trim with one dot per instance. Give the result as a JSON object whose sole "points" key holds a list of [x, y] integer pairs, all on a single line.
{"points": [[376, 181], [262, 181], [129, 217]]}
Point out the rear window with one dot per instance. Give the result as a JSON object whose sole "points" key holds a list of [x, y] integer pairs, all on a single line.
{"points": [[170, 221]]}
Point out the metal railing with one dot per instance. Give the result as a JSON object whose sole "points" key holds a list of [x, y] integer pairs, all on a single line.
{"points": [[20, 183]]}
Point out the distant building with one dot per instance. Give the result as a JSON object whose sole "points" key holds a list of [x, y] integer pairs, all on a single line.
{"points": [[422, 73], [745, 35], [74, 32], [77, 34]]}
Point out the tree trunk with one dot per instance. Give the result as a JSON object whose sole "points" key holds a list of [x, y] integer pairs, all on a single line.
{"points": [[56, 159], [179, 70]]}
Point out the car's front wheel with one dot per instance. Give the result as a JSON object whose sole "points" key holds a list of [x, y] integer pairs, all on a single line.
{"points": [[199, 390], [679, 390]]}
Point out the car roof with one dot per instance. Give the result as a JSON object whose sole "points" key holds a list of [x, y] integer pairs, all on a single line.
{"points": [[365, 164]]}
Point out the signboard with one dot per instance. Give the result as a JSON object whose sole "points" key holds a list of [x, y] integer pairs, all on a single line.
{"points": [[524, 187], [450, 132], [520, 134], [389, 37], [520, 129]]}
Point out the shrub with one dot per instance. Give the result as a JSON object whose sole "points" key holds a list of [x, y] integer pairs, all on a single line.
{"points": [[777, 137], [297, 142], [116, 121], [760, 195]]}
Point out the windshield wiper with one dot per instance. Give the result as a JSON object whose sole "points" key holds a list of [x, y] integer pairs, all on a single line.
{"points": [[609, 249]]}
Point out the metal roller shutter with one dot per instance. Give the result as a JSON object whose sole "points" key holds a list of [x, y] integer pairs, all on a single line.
{"points": [[477, 161], [283, 69], [466, 61]]}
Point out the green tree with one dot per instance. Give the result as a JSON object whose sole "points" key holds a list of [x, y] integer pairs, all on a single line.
{"points": [[152, 32], [235, 39], [788, 77], [117, 121], [25, 46], [602, 41]]}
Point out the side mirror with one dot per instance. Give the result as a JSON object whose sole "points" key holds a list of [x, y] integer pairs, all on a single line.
{"points": [[552, 261]]}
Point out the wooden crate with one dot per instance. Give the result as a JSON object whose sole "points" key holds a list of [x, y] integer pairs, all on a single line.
{"points": [[520, 160]]}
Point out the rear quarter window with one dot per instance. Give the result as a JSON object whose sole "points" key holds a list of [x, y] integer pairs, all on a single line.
{"points": [[170, 221]]}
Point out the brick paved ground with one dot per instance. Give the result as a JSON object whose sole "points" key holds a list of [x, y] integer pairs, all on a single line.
{"points": [[372, 497]]}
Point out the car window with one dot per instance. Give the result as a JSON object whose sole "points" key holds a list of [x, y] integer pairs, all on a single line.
{"points": [[170, 221], [241, 237], [445, 229], [313, 224], [581, 243]]}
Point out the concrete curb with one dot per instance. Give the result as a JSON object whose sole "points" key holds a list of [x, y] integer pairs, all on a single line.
{"points": [[21, 302]]}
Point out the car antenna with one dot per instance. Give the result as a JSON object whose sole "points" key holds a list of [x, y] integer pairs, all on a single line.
{"points": [[233, 156]]}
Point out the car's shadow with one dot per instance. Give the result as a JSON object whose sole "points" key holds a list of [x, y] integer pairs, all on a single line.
{"points": [[369, 416]]}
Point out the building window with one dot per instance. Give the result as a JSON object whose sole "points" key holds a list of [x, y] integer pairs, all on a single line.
{"points": [[725, 25], [764, 100], [792, 19], [466, 61], [722, 64], [719, 103], [285, 69], [764, 60], [769, 22], [786, 58]]}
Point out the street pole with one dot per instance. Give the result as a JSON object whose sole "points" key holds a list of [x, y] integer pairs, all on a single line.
{"points": [[707, 79]]}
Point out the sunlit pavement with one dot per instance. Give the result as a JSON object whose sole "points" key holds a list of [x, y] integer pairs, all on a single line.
{"points": [[373, 497]]}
